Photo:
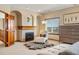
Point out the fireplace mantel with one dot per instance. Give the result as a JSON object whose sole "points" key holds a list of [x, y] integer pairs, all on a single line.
{"points": [[25, 27]]}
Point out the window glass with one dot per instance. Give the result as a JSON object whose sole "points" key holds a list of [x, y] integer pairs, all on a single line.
{"points": [[53, 25]]}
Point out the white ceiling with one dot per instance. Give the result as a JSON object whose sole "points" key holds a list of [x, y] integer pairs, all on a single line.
{"points": [[43, 7]]}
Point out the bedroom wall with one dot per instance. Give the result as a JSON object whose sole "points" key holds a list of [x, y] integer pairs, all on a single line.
{"points": [[59, 13], [5, 8], [41, 26], [25, 13]]}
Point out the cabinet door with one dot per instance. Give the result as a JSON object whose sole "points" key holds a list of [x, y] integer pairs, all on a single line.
{"points": [[10, 30]]}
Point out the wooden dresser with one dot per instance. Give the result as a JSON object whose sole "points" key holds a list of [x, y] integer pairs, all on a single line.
{"points": [[69, 33]]}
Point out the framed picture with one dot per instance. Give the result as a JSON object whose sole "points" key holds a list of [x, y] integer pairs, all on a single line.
{"points": [[30, 20]]}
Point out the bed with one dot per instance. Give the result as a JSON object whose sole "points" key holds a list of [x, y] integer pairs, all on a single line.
{"points": [[62, 49]]}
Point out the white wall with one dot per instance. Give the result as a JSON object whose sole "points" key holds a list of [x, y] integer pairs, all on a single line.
{"points": [[5, 8], [25, 13]]}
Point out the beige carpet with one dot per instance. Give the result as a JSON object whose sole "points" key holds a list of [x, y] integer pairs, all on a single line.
{"points": [[19, 49]]}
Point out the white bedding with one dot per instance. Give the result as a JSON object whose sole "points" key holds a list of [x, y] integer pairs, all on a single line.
{"points": [[74, 48], [55, 50]]}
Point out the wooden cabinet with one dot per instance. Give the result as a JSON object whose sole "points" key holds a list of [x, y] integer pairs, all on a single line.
{"points": [[69, 33], [9, 29], [2, 36]]}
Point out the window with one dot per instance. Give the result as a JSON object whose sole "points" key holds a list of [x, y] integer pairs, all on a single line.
{"points": [[2, 17], [52, 25]]}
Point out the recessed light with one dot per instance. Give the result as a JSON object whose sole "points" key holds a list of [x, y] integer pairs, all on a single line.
{"points": [[27, 8], [39, 10]]}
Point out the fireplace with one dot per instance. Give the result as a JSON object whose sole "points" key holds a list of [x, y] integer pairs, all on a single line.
{"points": [[29, 36]]}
